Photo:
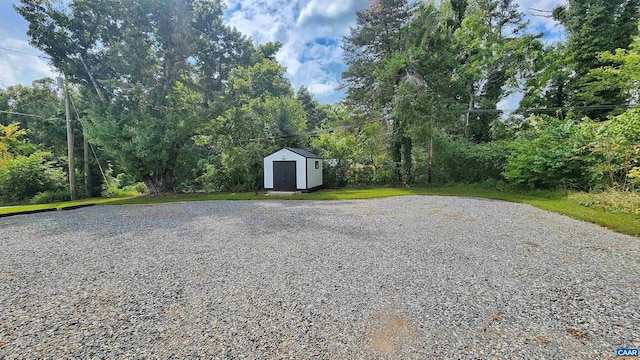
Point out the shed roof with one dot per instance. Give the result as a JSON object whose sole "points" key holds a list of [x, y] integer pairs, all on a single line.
{"points": [[304, 153]]}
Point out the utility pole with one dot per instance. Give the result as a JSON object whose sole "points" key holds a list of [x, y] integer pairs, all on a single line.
{"points": [[70, 145], [87, 179]]}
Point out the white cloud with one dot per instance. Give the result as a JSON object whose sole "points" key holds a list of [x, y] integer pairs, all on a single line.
{"points": [[541, 20], [322, 89], [19, 68], [311, 32]]}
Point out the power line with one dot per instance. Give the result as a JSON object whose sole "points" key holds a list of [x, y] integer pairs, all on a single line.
{"points": [[554, 109], [23, 114], [26, 53], [329, 130], [551, 109]]}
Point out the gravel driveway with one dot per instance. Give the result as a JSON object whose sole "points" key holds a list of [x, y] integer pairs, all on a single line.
{"points": [[397, 278]]}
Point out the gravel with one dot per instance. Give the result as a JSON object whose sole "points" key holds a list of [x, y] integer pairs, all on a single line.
{"points": [[397, 278]]}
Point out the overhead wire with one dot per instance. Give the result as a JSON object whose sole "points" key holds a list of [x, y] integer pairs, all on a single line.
{"points": [[104, 177], [25, 53], [25, 114], [554, 109], [478, 111]]}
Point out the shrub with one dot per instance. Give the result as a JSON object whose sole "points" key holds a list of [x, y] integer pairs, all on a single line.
{"points": [[549, 155], [131, 190], [25, 176], [240, 169], [124, 179], [615, 151], [48, 197]]}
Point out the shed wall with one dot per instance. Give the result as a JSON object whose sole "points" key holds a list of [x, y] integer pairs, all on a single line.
{"points": [[314, 175], [285, 155]]}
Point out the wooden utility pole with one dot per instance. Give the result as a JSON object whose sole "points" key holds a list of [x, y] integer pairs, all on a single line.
{"points": [[87, 177], [70, 148], [70, 152], [430, 163]]}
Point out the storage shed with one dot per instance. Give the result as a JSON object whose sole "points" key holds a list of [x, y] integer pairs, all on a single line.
{"points": [[292, 170]]}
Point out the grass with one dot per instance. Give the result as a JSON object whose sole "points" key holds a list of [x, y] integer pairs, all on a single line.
{"points": [[611, 200], [558, 202], [6, 210]]}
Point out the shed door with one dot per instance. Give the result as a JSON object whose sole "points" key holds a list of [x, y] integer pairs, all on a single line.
{"points": [[284, 176]]}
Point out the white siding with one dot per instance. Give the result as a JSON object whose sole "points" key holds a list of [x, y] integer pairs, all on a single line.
{"points": [[314, 175], [285, 155]]}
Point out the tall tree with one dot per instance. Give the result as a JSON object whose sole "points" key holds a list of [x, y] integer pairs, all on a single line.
{"points": [[491, 46], [595, 26], [378, 37], [47, 128], [428, 97], [311, 108], [547, 78], [379, 33], [149, 67]]}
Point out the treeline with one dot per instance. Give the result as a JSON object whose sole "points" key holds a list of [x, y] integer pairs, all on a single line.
{"points": [[433, 75], [170, 95]]}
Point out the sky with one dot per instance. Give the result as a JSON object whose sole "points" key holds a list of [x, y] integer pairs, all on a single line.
{"points": [[311, 32]]}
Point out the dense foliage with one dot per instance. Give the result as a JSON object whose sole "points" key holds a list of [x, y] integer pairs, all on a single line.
{"points": [[172, 96], [24, 170]]}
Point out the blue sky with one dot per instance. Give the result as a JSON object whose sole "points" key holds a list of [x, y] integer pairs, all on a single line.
{"points": [[310, 31]]}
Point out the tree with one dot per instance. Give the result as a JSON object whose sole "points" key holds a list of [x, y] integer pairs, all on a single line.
{"points": [[595, 26], [46, 127], [150, 67], [547, 78], [491, 47], [311, 108], [11, 143], [379, 33], [617, 139], [378, 38], [622, 72], [261, 80]]}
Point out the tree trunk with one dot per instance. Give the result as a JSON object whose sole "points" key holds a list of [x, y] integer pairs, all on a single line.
{"points": [[430, 164], [469, 108], [396, 151], [160, 183], [407, 163]]}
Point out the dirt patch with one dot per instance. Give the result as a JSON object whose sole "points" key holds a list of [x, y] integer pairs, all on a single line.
{"points": [[390, 332]]}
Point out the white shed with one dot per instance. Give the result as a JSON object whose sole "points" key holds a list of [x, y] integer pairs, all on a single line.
{"points": [[292, 170]]}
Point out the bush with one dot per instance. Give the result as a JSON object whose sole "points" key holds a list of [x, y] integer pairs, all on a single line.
{"points": [[48, 197], [615, 151], [25, 176], [239, 170], [549, 155], [124, 179], [334, 176], [139, 187], [131, 190]]}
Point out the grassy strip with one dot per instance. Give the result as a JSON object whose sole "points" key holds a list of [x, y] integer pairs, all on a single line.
{"points": [[18, 209]]}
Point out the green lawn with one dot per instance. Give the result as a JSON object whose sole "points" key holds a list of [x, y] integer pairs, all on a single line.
{"points": [[552, 201], [5, 210]]}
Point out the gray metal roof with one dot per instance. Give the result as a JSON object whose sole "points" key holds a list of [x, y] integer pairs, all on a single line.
{"points": [[304, 153]]}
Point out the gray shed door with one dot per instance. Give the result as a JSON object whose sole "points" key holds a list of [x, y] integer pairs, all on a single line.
{"points": [[284, 176]]}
